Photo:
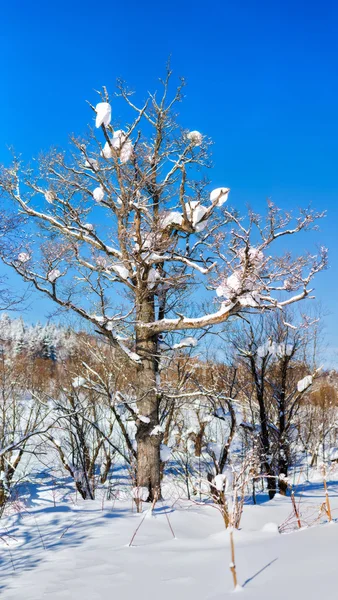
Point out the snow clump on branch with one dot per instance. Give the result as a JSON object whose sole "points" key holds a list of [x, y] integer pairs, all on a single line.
{"points": [[195, 138], [195, 213], [153, 278], [187, 342], [232, 286], [50, 196], [220, 196], [121, 271], [253, 256], [78, 382], [223, 481], [270, 348], [53, 275], [121, 145], [304, 383], [92, 163], [107, 151], [126, 152], [118, 139], [98, 194], [172, 218], [240, 285], [103, 114], [101, 262], [23, 257], [158, 430]]}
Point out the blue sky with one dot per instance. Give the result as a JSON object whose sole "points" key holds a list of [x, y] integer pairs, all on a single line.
{"points": [[262, 83]]}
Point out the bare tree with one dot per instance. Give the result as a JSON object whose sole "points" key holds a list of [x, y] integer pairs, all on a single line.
{"points": [[317, 422], [158, 236], [8, 299], [22, 419], [275, 356]]}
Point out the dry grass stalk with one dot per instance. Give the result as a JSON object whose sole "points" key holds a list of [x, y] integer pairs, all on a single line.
{"points": [[326, 505], [296, 511], [233, 564]]}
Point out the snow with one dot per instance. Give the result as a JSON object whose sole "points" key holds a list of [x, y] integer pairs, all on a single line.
{"points": [[121, 271], [219, 482], [221, 413], [143, 419], [334, 454], [251, 299], [120, 144], [101, 262], [78, 382], [134, 357], [110, 325], [243, 283], [220, 196], [118, 139], [289, 325], [50, 196], [172, 218], [140, 493], [284, 349], [92, 163], [153, 278], [107, 151], [186, 343], [232, 285], [98, 194], [80, 549], [165, 453], [195, 213], [53, 275], [18, 336], [103, 114], [223, 481], [304, 383], [195, 137], [197, 322], [23, 257], [126, 152], [274, 350], [158, 430], [267, 348], [270, 528], [253, 255]]}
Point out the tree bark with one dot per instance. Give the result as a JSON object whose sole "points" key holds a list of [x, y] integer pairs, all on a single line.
{"points": [[148, 443], [283, 449], [264, 434]]}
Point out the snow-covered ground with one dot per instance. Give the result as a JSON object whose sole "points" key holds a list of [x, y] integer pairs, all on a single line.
{"points": [[58, 548]]}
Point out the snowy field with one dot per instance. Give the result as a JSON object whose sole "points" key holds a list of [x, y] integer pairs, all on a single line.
{"points": [[59, 547]]}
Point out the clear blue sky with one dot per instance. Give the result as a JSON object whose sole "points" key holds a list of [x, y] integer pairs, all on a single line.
{"points": [[262, 82]]}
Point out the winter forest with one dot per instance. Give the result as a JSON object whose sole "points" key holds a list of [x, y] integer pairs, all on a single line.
{"points": [[171, 427]]}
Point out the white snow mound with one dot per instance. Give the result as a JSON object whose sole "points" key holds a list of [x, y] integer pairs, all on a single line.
{"points": [[103, 114], [220, 195]]}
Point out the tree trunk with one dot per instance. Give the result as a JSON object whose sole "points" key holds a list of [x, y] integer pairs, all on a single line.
{"points": [[148, 441], [264, 433], [283, 446]]}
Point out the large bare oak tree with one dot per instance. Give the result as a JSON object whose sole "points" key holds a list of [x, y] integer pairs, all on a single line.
{"points": [[122, 229]]}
